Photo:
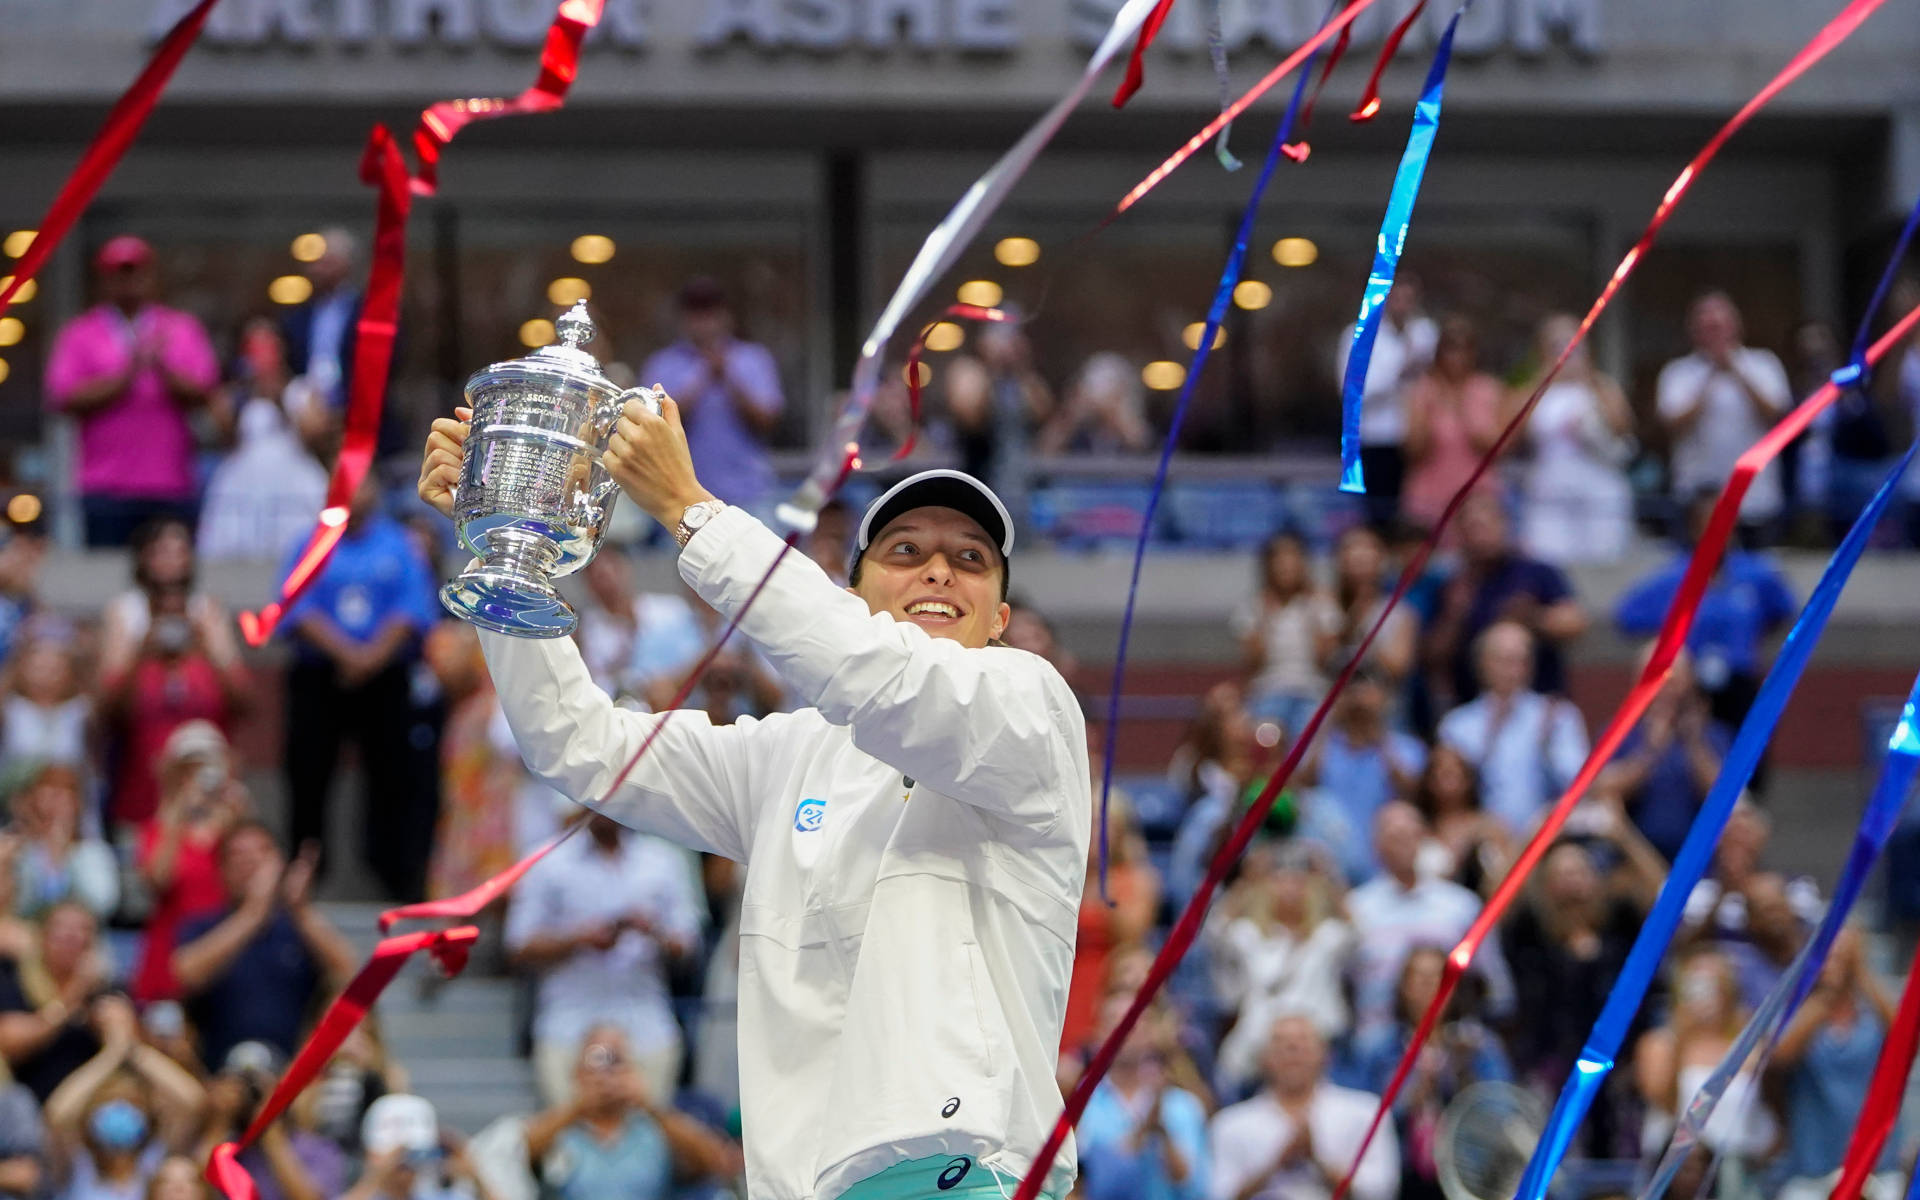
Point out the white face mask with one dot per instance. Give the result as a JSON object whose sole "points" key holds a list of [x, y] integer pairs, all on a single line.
{"points": [[1699, 994]]}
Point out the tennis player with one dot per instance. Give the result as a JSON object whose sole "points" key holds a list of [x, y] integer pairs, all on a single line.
{"points": [[916, 842]]}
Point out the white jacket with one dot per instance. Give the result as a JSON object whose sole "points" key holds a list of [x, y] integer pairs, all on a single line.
{"points": [[903, 965]]}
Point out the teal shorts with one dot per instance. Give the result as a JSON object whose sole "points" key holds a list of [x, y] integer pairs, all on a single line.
{"points": [[940, 1177]]}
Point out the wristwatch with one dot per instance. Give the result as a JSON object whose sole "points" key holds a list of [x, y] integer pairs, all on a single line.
{"points": [[694, 519]]}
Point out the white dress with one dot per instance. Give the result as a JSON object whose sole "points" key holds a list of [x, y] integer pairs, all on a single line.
{"points": [[1579, 504]]}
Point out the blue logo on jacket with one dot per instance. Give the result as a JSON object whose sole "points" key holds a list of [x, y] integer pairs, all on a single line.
{"points": [[808, 816]]}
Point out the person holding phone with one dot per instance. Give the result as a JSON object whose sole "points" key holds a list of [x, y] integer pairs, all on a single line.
{"points": [[410, 1157], [199, 801]]}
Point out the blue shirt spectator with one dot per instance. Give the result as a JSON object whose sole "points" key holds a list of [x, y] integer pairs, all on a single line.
{"points": [[1141, 1138], [376, 576], [1495, 583], [1667, 764], [1359, 764], [1747, 600], [729, 395]]}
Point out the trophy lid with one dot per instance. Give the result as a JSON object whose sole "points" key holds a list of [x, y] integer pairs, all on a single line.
{"points": [[564, 358]]}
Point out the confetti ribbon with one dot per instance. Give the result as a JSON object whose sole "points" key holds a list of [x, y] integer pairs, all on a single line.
{"points": [[1136, 65], [1387, 249], [1217, 54], [1370, 95], [1700, 568], [124, 121], [1216, 316], [1298, 151], [106, 150], [938, 252], [383, 168], [1882, 813], [1876, 825], [1889, 1084], [1609, 1033]]}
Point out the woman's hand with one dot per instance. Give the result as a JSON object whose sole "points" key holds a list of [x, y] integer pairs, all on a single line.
{"points": [[648, 457], [440, 465]]}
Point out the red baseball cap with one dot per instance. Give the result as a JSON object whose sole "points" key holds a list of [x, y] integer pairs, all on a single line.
{"points": [[124, 251]]}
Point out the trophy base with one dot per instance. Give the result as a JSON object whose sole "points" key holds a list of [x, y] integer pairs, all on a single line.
{"points": [[508, 602]]}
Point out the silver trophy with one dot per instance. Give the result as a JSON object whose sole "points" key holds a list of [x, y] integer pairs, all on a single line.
{"points": [[534, 495]]}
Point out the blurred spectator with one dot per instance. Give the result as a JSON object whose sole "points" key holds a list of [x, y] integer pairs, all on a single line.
{"points": [[1104, 411], [1747, 601], [287, 1163], [1398, 910], [128, 370], [1671, 1061], [1826, 1060], [1359, 763], [831, 541], [1496, 583], [1361, 589], [1525, 746], [1286, 631], [359, 1074], [320, 330], [890, 426], [1576, 500], [1212, 767], [1566, 943], [163, 1025], [1301, 1134], [1106, 929], [602, 920], [47, 716], [1717, 906], [113, 1120], [1773, 938], [355, 676], [178, 1178], [1465, 843], [409, 1157], [265, 494], [23, 548], [1453, 417], [1402, 349], [615, 1138], [1716, 402], [728, 391], [1029, 629], [480, 770], [631, 639], [168, 655], [23, 1145], [57, 863], [47, 1013], [1668, 762], [178, 855], [1461, 1052], [251, 971], [998, 401], [1278, 944], [1141, 1137]]}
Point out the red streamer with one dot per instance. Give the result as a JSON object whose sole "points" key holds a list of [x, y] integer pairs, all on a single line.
{"points": [[124, 121], [1884, 1092], [1299, 150], [449, 947], [1136, 68], [383, 167], [1370, 97], [1232, 111], [559, 63], [1673, 633], [974, 312]]}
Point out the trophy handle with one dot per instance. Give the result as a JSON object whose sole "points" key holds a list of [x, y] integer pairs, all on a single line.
{"points": [[611, 408]]}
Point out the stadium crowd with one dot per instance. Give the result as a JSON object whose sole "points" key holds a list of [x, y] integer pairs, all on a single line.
{"points": [[162, 953]]}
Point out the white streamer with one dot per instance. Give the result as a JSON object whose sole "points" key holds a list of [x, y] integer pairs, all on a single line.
{"points": [[942, 247]]}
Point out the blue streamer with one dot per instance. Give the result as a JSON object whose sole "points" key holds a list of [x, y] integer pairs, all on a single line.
{"points": [[1696, 853], [1388, 247], [1776, 1011], [1216, 314]]}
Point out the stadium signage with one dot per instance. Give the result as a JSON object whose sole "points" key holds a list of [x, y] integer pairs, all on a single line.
{"points": [[980, 27]]}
